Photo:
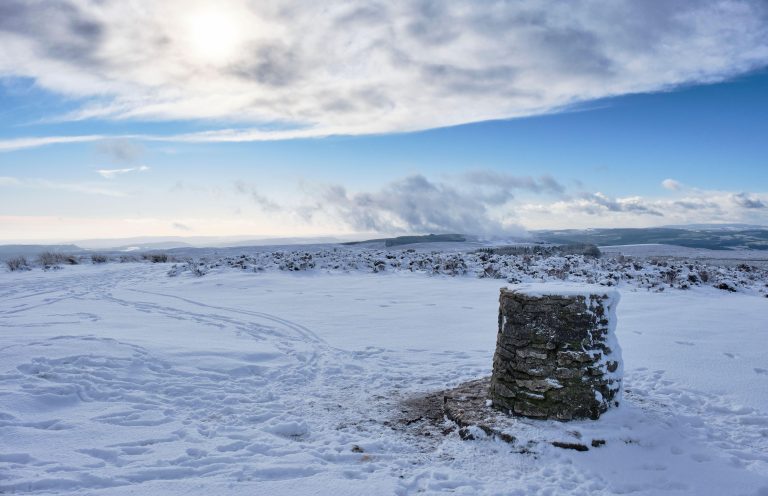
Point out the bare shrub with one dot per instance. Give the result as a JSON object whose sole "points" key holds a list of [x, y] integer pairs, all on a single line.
{"points": [[156, 257], [725, 287], [17, 264], [199, 269], [50, 259], [97, 258], [669, 276]]}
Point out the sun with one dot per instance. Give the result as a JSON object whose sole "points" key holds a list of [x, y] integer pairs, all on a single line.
{"points": [[213, 33]]}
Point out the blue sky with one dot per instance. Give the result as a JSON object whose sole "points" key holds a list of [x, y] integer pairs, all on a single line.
{"points": [[295, 142]]}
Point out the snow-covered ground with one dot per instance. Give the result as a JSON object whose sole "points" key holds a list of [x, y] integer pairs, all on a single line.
{"points": [[729, 257], [117, 379]]}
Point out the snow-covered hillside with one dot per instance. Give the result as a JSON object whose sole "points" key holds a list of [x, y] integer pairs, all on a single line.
{"points": [[651, 273], [117, 379]]}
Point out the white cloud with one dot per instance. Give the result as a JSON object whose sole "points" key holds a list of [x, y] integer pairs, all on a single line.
{"points": [[85, 188], [410, 204], [671, 184], [250, 190], [12, 144], [299, 69], [471, 203], [123, 151], [110, 173], [745, 200], [694, 207], [413, 204], [9, 181]]}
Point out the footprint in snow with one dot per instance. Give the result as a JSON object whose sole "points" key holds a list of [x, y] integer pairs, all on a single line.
{"points": [[760, 371], [685, 343], [700, 457], [730, 355]]}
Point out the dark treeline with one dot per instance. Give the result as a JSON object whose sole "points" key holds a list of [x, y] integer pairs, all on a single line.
{"points": [[586, 249]]}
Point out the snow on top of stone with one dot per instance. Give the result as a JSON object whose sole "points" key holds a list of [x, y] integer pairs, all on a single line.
{"points": [[563, 289]]}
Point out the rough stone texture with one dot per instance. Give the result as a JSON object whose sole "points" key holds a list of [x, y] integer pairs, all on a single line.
{"points": [[556, 354]]}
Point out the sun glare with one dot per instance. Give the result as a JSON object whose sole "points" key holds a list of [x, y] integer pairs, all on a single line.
{"points": [[213, 34]]}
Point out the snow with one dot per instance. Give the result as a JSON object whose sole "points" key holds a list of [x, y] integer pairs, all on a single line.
{"points": [[566, 289], [662, 250], [117, 379]]}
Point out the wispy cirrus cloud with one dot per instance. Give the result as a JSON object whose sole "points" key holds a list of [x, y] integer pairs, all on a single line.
{"points": [[13, 144], [37, 183], [121, 151], [299, 69], [111, 173], [252, 192]]}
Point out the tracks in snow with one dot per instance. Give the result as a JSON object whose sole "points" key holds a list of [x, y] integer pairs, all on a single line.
{"points": [[260, 398]]}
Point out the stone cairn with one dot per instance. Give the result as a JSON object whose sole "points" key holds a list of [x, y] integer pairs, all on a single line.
{"points": [[556, 353]]}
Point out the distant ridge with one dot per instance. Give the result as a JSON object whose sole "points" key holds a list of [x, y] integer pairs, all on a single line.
{"points": [[408, 240], [8, 251], [716, 227], [713, 239]]}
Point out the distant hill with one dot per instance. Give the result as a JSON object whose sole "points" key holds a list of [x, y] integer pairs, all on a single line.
{"points": [[177, 242], [10, 251], [714, 239], [160, 245], [716, 227], [408, 240]]}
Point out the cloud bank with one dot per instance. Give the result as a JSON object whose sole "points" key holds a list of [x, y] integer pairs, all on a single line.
{"points": [[279, 70], [485, 202], [475, 202], [689, 206]]}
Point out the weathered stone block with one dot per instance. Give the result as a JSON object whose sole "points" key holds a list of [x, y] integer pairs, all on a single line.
{"points": [[556, 352]]}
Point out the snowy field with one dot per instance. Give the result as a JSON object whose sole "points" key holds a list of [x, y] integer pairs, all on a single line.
{"points": [[117, 379], [722, 257]]}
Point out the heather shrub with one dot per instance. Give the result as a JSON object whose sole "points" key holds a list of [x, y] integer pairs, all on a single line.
{"points": [[17, 264], [98, 258]]}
